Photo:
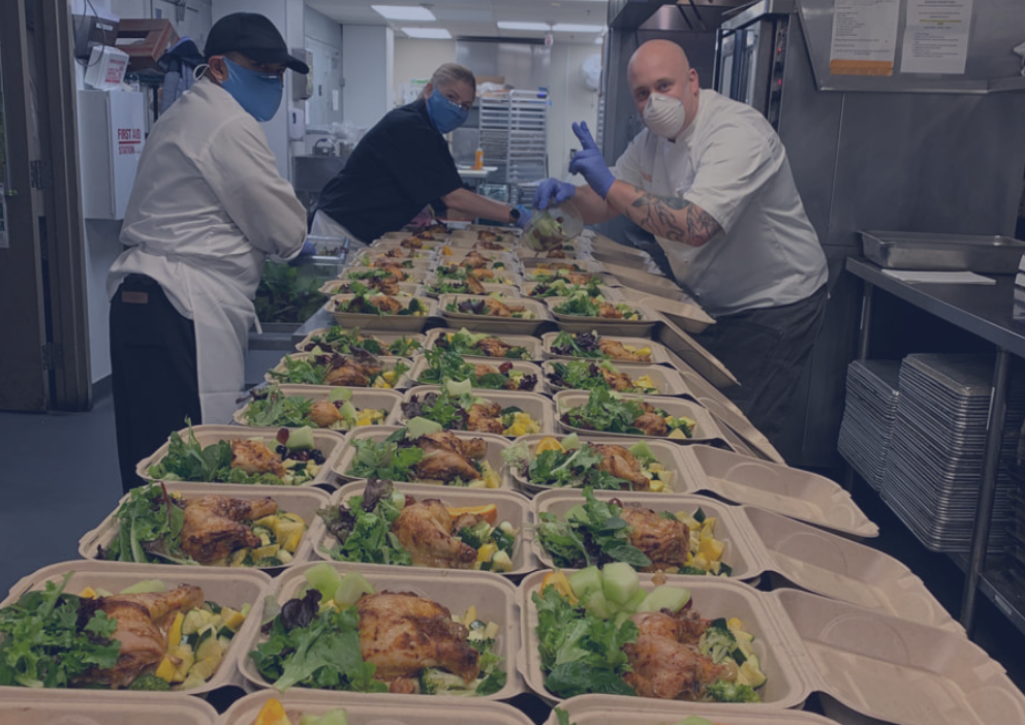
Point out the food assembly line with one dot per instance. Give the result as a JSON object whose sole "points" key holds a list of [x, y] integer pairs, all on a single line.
{"points": [[489, 478]]}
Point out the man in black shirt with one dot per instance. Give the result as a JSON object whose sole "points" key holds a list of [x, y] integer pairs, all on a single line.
{"points": [[403, 164]]}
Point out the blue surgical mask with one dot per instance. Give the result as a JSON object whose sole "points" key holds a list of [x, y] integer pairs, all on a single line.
{"points": [[258, 93], [444, 114]]}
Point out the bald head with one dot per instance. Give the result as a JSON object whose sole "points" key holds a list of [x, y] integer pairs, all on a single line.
{"points": [[661, 66]]}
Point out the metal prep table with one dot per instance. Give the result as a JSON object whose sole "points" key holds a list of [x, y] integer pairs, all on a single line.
{"points": [[985, 312]]}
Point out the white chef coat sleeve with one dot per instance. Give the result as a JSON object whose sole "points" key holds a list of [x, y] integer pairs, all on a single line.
{"points": [[732, 168], [243, 173], [628, 165]]}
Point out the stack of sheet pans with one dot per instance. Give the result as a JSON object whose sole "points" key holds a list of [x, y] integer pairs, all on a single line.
{"points": [[934, 465], [869, 414]]}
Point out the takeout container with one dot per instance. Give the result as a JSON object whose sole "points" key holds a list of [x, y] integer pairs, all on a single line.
{"points": [[612, 710], [659, 354], [538, 407], [610, 293], [414, 276], [705, 429], [386, 337], [496, 444], [530, 342], [511, 277], [362, 398], [380, 709], [493, 596], [502, 290], [336, 286], [425, 261], [393, 323], [420, 365], [489, 323], [389, 362], [684, 312], [532, 274], [667, 380], [227, 588], [579, 323], [301, 500], [532, 264], [429, 245], [686, 473], [512, 507], [399, 236], [328, 442], [30, 706]]}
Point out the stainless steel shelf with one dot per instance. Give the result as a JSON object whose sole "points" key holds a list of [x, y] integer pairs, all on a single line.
{"points": [[1007, 593]]}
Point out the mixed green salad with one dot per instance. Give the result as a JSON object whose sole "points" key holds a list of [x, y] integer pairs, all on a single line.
{"points": [[284, 296], [378, 304], [445, 365], [455, 407], [271, 408], [593, 346], [583, 304], [347, 340], [587, 375], [561, 288], [606, 411], [483, 344], [360, 369]]}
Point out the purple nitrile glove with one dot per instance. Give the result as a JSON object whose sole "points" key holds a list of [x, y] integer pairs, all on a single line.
{"points": [[524, 218], [589, 162], [551, 190], [308, 249]]}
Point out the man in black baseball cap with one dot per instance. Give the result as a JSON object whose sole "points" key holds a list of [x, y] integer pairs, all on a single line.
{"points": [[255, 37]]}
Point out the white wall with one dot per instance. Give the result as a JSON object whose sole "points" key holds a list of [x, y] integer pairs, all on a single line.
{"points": [[572, 102], [418, 59], [368, 64]]}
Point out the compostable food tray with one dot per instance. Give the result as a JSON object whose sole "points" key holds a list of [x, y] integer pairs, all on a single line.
{"points": [[612, 710], [99, 707], [406, 289], [389, 362], [667, 380], [493, 596], [385, 337], [330, 443], [368, 257], [392, 323], [659, 355], [301, 500], [496, 444], [538, 407], [605, 326], [489, 323], [362, 398], [384, 244], [609, 293], [416, 276], [501, 290], [508, 277], [543, 264], [705, 429], [544, 275], [420, 366], [512, 507], [227, 588], [987, 253], [532, 344]]}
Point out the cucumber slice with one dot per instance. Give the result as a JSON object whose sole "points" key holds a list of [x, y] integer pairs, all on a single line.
{"points": [[337, 394], [750, 673], [597, 605], [421, 427], [352, 586], [577, 513], [146, 586], [635, 601], [324, 579], [619, 582], [642, 450], [300, 438], [571, 441], [348, 411], [665, 597], [457, 388], [585, 581]]}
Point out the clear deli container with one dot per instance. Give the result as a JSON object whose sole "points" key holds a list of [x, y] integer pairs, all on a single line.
{"points": [[606, 326], [532, 344], [706, 429], [494, 597], [385, 337], [362, 398], [303, 501], [488, 323], [611, 710], [667, 380], [389, 362], [420, 365], [659, 355], [392, 323], [100, 707], [538, 407]]}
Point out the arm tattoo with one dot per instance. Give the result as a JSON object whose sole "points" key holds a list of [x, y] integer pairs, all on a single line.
{"points": [[673, 218]]}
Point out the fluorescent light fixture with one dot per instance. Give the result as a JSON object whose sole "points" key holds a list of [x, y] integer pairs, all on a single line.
{"points": [[404, 12], [515, 25], [431, 33], [574, 28]]}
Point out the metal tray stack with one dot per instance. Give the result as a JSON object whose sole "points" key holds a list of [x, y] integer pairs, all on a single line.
{"points": [[869, 414], [934, 465], [1016, 522]]}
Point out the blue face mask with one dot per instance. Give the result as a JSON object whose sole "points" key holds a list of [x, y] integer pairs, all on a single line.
{"points": [[445, 115], [258, 93]]}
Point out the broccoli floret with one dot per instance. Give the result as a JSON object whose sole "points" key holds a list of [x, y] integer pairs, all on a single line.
{"points": [[433, 681], [475, 536], [717, 643], [428, 686], [723, 691], [151, 683], [503, 541], [481, 645]]}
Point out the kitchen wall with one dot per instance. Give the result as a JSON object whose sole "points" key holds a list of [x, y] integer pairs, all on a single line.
{"points": [[324, 41], [572, 102], [418, 59], [368, 58]]}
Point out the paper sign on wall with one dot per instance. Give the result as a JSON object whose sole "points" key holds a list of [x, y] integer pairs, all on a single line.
{"points": [[864, 37], [936, 36]]}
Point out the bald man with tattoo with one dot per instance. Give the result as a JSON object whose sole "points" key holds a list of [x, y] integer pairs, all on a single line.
{"points": [[709, 178]]}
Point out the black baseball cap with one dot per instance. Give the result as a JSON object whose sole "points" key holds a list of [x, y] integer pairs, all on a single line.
{"points": [[255, 37]]}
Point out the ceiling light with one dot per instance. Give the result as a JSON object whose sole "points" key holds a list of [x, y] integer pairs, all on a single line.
{"points": [[404, 12], [515, 25], [432, 33], [574, 28]]}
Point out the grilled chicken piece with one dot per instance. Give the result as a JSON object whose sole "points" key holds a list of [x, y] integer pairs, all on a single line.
{"points": [[387, 305], [652, 424], [608, 311], [255, 457], [394, 270], [665, 663], [482, 274], [384, 285], [556, 254], [615, 350], [425, 531], [578, 278], [348, 373], [496, 308], [474, 286], [474, 260], [489, 245], [212, 527], [403, 634], [474, 448], [413, 242], [484, 418], [665, 541], [493, 347], [482, 369], [139, 619], [621, 463], [398, 252], [323, 413], [617, 381], [447, 457], [486, 236]]}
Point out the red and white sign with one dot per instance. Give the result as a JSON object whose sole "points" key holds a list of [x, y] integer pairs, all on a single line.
{"points": [[129, 141]]}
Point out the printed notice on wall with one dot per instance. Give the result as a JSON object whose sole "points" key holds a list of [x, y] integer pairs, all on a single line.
{"points": [[864, 37], [936, 36]]}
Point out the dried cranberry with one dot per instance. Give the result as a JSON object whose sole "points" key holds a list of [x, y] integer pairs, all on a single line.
{"points": [[616, 502], [505, 367], [410, 500], [282, 436]]}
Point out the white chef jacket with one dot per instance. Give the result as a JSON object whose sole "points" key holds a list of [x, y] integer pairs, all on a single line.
{"points": [[207, 207], [732, 164]]}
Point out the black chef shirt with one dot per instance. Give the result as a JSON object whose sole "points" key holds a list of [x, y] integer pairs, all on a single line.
{"points": [[400, 166]]}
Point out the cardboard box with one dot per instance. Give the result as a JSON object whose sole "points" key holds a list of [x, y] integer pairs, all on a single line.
{"points": [[145, 41], [106, 68]]}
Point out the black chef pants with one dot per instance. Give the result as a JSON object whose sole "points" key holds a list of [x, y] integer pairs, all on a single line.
{"points": [[767, 350], [154, 376]]}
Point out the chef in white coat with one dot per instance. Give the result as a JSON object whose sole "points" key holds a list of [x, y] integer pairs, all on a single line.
{"points": [[208, 207], [709, 178]]}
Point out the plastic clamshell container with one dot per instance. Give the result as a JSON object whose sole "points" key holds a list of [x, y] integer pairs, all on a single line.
{"points": [[489, 323], [713, 597], [389, 362], [496, 444], [687, 473], [328, 442], [538, 407], [612, 710], [532, 344], [659, 355], [362, 398], [227, 588], [667, 380], [392, 323], [494, 597], [99, 707], [706, 429], [502, 290], [415, 276], [836, 567], [341, 286], [302, 500], [794, 493], [375, 709], [730, 528], [578, 323], [420, 365], [385, 337], [512, 507], [511, 276], [609, 293], [880, 669]]}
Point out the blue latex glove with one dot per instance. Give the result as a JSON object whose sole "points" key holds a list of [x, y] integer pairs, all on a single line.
{"points": [[308, 249], [525, 215], [553, 190], [590, 163]]}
